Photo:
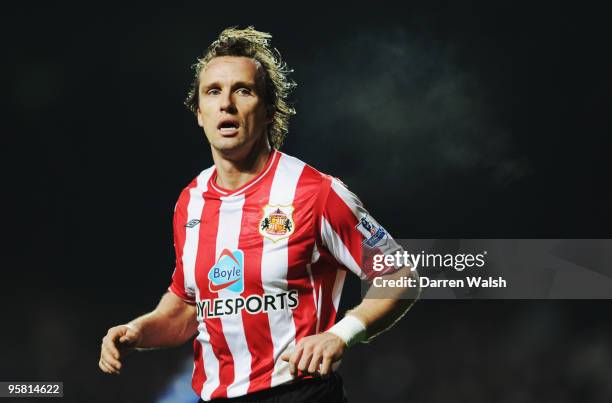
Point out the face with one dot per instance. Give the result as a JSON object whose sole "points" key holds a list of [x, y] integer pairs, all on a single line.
{"points": [[231, 108]]}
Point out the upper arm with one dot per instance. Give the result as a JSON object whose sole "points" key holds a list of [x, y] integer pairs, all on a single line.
{"points": [[351, 234], [178, 285]]}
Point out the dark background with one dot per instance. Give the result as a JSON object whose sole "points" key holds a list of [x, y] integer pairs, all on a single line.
{"points": [[448, 120]]}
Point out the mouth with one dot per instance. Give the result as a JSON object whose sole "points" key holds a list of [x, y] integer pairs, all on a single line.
{"points": [[228, 127]]}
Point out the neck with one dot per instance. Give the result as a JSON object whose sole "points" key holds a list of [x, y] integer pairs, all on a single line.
{"points": [[233, 172]]}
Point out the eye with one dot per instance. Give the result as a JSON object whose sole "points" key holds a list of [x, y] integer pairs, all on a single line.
{"points": [[213, 91], [243, 91]]}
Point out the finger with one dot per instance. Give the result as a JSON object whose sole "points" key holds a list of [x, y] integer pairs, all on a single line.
{"points": [[128, 336], [115, 365], [131, 337], [111, 349], [114, 333], [315, 361], [107, 368], [115, 368], [109, 359], [326, 365], [293, 360], [305, 360], [102, 366], [286, 355]]}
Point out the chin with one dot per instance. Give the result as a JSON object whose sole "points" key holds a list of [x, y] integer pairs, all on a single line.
{"points": [[229, 145]]}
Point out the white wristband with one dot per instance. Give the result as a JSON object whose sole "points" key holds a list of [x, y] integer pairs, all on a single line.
{"points": [[350, 329]]}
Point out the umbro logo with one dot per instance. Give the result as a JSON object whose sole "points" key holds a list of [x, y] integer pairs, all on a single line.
{"points": [[192, 223]]}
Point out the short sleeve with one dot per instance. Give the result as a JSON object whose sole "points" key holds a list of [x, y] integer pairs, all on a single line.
{"points": [[177, 286], [352, 235]]}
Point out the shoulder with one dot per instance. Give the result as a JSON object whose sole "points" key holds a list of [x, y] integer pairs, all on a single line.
{"points": [[309, 176], [200, 183]]}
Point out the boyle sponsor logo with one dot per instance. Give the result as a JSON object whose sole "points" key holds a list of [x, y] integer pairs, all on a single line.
{"points": [[228, 272]]}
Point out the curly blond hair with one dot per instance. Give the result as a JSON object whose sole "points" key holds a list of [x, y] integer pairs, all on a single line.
{"points": [[255, 44]]}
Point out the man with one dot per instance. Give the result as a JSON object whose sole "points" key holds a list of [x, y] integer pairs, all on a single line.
{"points": [[263, 243]]}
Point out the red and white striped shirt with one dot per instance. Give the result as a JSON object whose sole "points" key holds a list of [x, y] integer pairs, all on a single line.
{"points": [[265, 265]]}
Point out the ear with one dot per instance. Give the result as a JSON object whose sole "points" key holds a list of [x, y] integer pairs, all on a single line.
{"points": [[200, 119]]}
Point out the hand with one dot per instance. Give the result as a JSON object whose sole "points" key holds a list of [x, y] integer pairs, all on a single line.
{"points": [[118, 343], [314, 352]]}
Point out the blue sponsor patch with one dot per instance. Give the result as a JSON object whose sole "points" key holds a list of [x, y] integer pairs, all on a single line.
{"points": [[228, 272]]}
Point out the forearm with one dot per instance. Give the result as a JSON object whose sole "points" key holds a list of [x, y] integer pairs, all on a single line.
{"points": [[171, 324], [379, 314]]}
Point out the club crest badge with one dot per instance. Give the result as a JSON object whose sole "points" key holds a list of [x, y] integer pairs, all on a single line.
{"points": [[277, 222]]}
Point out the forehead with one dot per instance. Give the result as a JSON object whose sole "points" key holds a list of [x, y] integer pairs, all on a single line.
{"points": [[229, 69]]}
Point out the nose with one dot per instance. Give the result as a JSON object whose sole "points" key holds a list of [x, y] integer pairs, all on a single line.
{"points": [[227, 102]]}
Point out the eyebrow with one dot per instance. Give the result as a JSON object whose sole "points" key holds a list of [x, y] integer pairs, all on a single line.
{"points": [[237, 84]]}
